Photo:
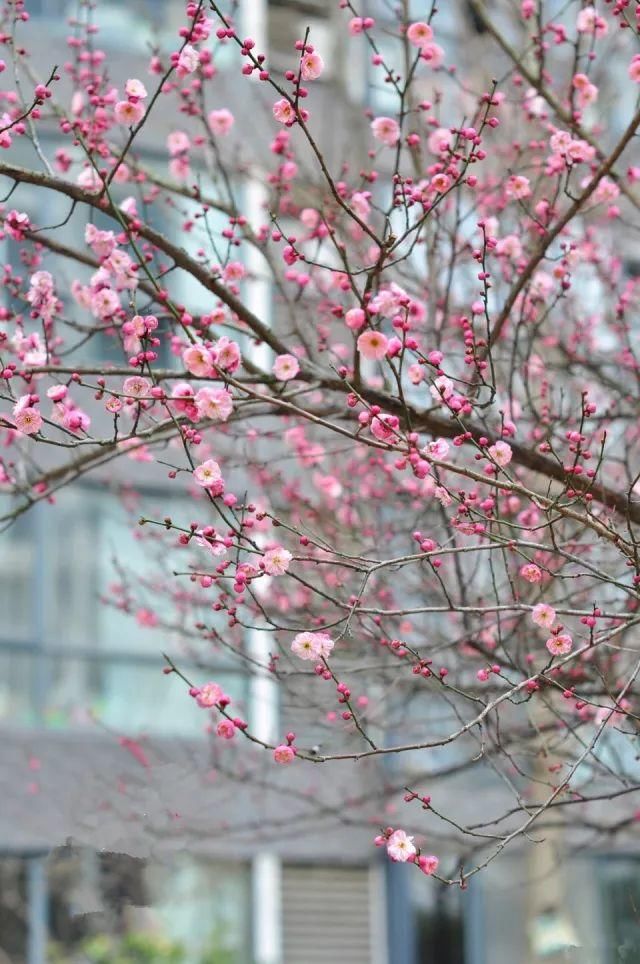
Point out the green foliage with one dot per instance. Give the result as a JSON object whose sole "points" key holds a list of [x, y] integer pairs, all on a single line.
{"points": [[140, 949]]}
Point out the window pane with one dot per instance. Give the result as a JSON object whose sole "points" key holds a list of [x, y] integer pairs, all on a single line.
{"points": [[111, 907], [126, 696], [621, 887], [18, 583]]}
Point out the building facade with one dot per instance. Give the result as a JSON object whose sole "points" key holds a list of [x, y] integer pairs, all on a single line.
{"points": [[121, 831]]}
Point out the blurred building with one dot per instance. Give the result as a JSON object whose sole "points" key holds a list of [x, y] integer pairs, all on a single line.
{"points": [[119, 833]]}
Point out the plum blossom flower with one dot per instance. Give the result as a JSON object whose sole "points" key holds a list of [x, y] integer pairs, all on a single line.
{"points": [[286, 367], [128, 112], [276, 561], [188, 61], [220, 121], [104, 303], [102, 242], [311, 66], [198, 360], [531, 572], [211, 543], [312, 645], [136, 386], [28, 420], [226, 730], [284, 754], [177, 143], [16, 223], [284, 112], [559, 644], [437, 449], [634, 69], [419, 34], [207, 474], [588, 21], [440, 141], [428, 864], [442, 388], [433, 54], [214, 403], [501, 453], [372, 344], [543, 615], [90, 180], [441, 183], [208, 695], [384, 427], [227, 354], [400, 847], [355, 318], [517, 187], [386, 129], [135, 88]]}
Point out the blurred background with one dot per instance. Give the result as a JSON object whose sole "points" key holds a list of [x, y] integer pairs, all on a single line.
{"points": [[123, 838]]}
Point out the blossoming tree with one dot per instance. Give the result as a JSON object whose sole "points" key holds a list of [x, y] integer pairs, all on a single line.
{"points": [[415, 480]]}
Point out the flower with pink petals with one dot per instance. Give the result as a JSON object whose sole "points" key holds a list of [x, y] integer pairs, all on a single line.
{"points": [[208, 695], [128, 112], [312, 645], [276, 561], [135, 88], [589, 22], [136, 386], [28, 420], [188, 61], [559, 644], [284, 754], [386, 129], [433, 54], [220, 121], [501, 453], [214, 403], [177, 143], [207, 474], [311, 66], [284, 112], [355, 319], [543, 615], [198, 360], [372, 344], [531, 572], [226, 729], [517, 187], [286, 367], [400, 847], [419, 34], [428, 864]]}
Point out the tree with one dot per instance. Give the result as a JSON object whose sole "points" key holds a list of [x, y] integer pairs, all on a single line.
{"points": [[413, 492]]}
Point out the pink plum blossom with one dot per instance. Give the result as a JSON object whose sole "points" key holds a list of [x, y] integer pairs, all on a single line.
{"points": [[386, 129], [220, 121], [207, 473], [284, 754], [560, 644], [543, 615], [400, 847], [286, 367], [311, 66], [372, 345]]}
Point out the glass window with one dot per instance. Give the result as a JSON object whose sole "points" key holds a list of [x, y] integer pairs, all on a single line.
{"points": [[13, 909], [108, 908], [438, 921], [17, 579], [620, 882], [87, 641]]}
